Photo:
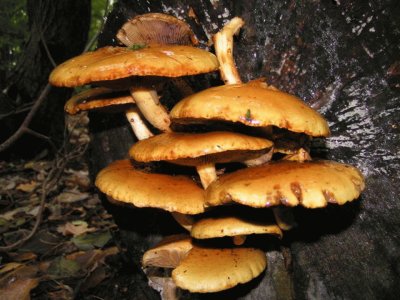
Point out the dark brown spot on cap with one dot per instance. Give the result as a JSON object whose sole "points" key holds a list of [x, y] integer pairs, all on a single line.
{"points": [[329, 196], [296, 189]]}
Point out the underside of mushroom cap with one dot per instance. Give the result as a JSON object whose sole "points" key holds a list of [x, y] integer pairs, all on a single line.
{"points": [[109, 63], [253, 104], [122, 182], [207, 270], [169, 252], [199, 148], [312, 184], [96, 98], [156, 28]]}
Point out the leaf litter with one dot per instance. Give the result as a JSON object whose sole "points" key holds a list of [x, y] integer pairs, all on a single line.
{"points": [[74, 252]]}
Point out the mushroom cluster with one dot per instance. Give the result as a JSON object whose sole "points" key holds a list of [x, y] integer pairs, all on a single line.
{"points": [[265, 132]]}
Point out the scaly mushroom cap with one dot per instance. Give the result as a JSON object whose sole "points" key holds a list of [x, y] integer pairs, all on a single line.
{"points": [[312, 184], [111, 63], [253, 104], [236, 222], [168, 253], [156, 28], [206, 270], [96, 98], [199, 148], [123, 183]]}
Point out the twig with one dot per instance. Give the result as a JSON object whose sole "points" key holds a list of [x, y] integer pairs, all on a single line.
{"points": [[24, 126]]}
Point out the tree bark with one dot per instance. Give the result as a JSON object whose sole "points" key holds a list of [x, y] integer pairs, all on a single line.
{"points": [[62, 27], [342, 58]]}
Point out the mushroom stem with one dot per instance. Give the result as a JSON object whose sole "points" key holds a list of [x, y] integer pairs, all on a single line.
{"points": [[301, 155], [239, 239], [260, 160], [223, 43], [207, 174], [284, 217], [186, 221], [147, 101], [138, 126]]}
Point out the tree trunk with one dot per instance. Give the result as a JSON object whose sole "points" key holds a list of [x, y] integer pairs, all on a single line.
{"points": [[62, 27], [342, 58]]}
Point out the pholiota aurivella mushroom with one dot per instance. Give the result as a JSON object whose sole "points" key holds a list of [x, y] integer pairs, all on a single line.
{"points": [[236, 221], [139, 67], [202, 150], [105, 98], [312, 184], [179, 195]]}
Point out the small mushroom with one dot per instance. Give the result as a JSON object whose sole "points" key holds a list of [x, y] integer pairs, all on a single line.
{"points": [[167, 254], [102, 97], [236, 222], [201, 150], [207, 270], [156, 28], [223, 44], [312, 184]]}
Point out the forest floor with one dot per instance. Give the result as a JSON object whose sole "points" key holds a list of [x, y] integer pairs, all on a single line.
{"points": [[75, 252]]}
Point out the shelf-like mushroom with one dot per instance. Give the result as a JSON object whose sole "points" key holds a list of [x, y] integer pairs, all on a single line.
{"points": [[116, 63], [201, 150], [156, 28], [236, 222], [312, 184], [123, 183], [253, 104], [101, 98], [207, 270], [166, 255]]}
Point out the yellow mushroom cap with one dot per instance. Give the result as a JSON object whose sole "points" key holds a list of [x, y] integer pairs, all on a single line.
{"points": [[156, 28], [168, 253], [312, 184], [109, 63], [198, 148], [206, 270], [96, 98], [241, 221], [253, 104], [123, 183]]}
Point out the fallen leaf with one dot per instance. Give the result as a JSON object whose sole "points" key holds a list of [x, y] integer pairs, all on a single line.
{"points": [[75, 228], [22, 256], [19, 289], [9, 267], [70, 197], [27, 187], [62, 267], [94, 279], [90, 241]]}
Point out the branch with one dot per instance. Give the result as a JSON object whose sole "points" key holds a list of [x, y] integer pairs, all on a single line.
{"points": [[24, 126]]}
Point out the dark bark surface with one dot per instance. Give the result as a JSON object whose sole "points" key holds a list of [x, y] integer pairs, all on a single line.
{"points": [[342, 58], [62, 27]]}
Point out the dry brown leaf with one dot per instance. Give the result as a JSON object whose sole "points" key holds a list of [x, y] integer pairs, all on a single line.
{"points": [[71, 197], [27, 187], [19, 289], [9, 267], [75, 228], [22, 256]]}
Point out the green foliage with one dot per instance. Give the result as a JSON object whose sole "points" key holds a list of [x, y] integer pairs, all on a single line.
{"points": [[99, 8], [13, 33]]}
